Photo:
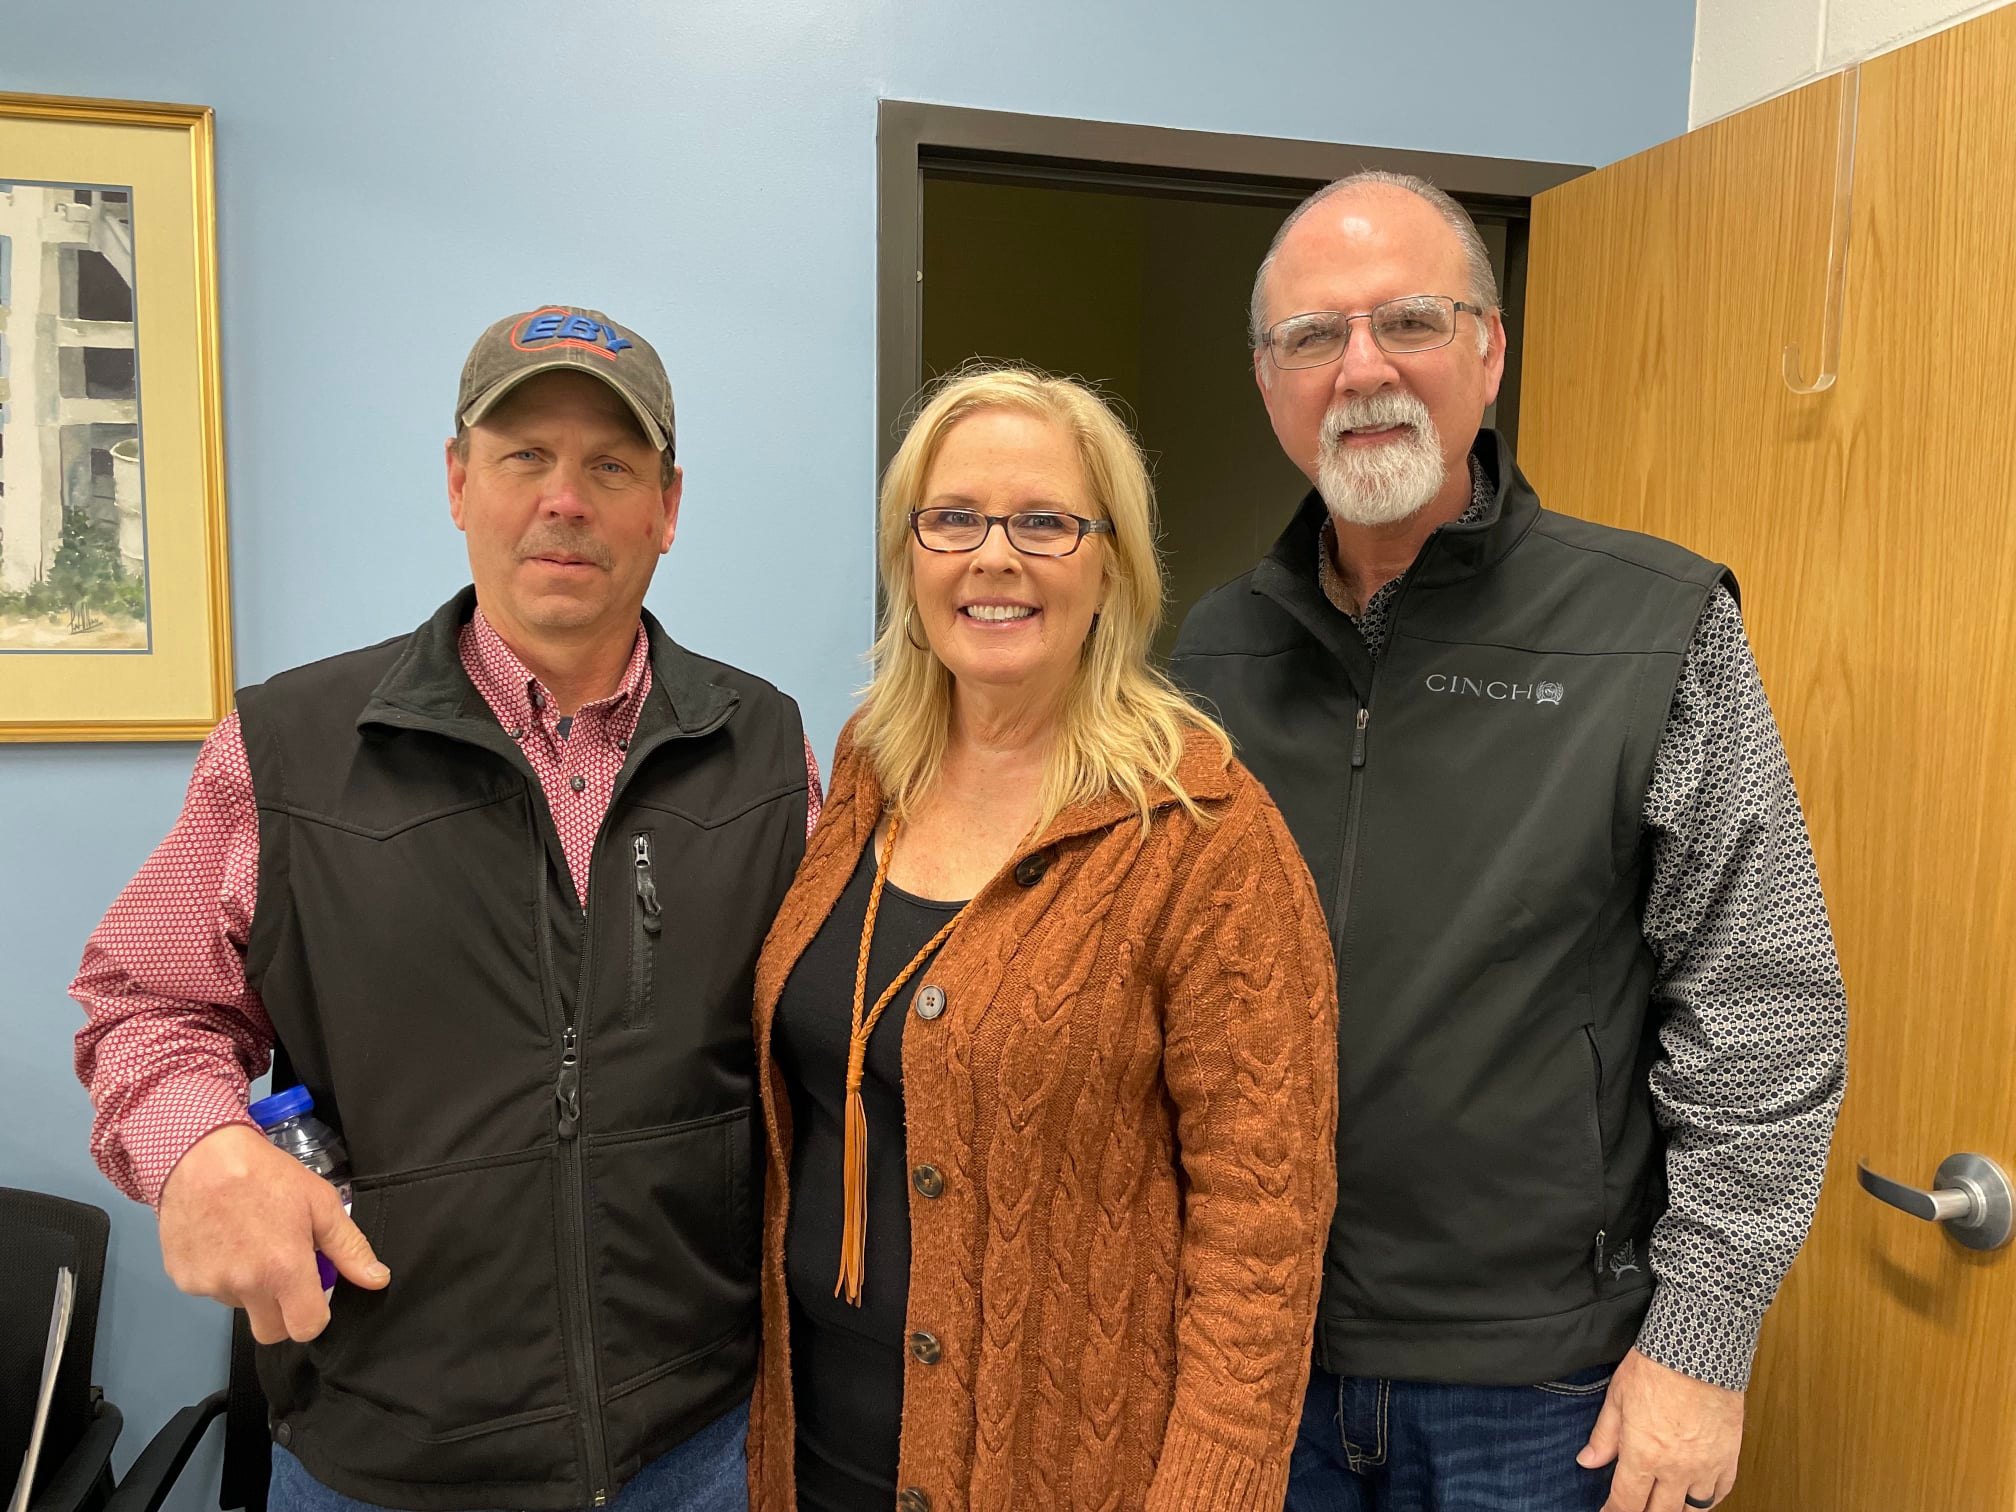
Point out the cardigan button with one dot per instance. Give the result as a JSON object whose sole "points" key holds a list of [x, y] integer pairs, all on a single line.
{"points": [[930, 1001], [912, 1500], [1030, 869], [924, 1348], [929, 1180]]}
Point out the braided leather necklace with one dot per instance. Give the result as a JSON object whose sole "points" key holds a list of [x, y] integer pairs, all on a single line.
{"points": [[854, 1141]]}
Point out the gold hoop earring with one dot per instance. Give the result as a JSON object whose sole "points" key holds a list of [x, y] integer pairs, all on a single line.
{"points": [[910, 629]]}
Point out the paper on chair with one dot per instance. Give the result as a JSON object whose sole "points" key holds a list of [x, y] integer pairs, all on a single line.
{"points": [[52, 1360]]}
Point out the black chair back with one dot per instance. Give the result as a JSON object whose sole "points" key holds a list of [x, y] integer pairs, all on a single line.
{"points": [[40, 1234]]}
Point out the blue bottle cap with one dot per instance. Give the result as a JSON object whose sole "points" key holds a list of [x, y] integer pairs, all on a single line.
{"points": [[281, 1106]]}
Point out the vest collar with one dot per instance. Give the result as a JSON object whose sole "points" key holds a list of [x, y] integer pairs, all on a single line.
{"points": [[428, 685], [1457, 551]]}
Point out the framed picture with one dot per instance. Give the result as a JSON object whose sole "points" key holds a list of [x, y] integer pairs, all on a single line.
{"points": [[114, 591]]}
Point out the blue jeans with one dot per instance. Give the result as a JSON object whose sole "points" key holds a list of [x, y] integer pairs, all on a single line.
{"points": [[1370, 1445], [707, 1473]]}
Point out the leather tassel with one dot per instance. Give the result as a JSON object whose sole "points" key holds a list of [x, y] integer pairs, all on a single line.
{"points": [[854, 1130], [854, 1180]]}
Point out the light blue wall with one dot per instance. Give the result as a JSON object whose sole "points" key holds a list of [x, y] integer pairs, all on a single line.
{"points": [[394, 175]]}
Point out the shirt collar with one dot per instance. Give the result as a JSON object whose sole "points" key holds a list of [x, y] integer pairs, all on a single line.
{"points": [[517, 697]]}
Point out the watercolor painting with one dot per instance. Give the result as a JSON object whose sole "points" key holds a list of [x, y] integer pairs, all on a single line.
{"points": [[73, 522]]}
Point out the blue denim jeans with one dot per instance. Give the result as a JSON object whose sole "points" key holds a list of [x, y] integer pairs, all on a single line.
{"points": [[1369, 1445], [707, 1473]]}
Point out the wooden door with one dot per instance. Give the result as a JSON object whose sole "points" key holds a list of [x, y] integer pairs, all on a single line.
{"points": [[1873, 528]]}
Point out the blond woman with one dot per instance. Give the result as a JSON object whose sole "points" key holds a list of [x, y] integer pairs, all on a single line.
{"points": [[1046, 1029]]}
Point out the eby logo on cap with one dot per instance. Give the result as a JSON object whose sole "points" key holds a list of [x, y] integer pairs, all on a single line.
{"points": [[543, 330]]}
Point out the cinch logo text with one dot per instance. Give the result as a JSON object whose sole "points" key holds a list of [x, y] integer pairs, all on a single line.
{"points": [[1495, 690]]}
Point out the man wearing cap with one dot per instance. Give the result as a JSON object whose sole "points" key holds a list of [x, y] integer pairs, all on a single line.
{"points": [[496, 890]]}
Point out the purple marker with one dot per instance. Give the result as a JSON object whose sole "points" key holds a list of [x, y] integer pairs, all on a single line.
{"points": [[288, 1119]]}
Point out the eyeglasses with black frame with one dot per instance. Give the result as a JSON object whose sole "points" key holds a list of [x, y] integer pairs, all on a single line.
{"points": [[1033, 532], [1412, 323]]}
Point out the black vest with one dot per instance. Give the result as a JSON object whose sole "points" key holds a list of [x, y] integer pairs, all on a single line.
{"points": [[549, 1111], [1471, 810]]}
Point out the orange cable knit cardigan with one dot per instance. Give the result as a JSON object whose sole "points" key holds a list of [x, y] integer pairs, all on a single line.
{"points": [[1131, 1094]]}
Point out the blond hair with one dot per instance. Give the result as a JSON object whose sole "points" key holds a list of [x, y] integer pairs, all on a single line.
{"points": [[1123, 723]]}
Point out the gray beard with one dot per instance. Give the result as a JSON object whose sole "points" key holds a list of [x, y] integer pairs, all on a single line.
{"points": [[1384, 484]]}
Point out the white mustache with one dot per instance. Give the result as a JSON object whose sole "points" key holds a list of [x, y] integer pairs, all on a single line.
{"points": [[1373, 412]]}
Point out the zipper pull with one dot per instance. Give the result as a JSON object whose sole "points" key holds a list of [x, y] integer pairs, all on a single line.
{"points": [[567, 1088], [647, 890], [1358, 738], [1601, 1235]]}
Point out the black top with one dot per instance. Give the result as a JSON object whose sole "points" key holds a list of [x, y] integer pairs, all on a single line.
{"points": [[847, 1361]]}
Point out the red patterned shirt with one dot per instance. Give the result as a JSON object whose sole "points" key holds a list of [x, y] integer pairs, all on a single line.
{"points": [[173, 1033]]}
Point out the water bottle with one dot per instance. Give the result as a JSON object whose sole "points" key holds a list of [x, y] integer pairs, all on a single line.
{"points": [[288, 1119]]}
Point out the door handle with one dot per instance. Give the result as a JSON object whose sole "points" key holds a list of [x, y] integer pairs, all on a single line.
{"points": [[1970, 1195]]}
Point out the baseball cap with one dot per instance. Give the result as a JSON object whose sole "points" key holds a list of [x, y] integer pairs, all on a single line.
{"points": [[557, 338]]}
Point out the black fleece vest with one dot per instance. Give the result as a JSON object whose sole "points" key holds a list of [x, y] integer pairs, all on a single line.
{"points": [[1471, 810], [549, 1110]]}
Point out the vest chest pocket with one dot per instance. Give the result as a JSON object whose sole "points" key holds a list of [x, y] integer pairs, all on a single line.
{"points": [[647, 929]]}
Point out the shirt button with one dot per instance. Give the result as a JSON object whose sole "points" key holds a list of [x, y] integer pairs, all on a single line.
{"points": [[929, 1180], [538, 699], [577, 783], [1030, 869], [516, 732], [912, 1500], [930, 1001], [924, 1348], [622, 745]]}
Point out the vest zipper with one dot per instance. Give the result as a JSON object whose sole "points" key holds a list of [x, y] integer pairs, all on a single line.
{"points": [[1347, 868], [567, 1086], [647, 922], [577, 1304], [574, 1198]]}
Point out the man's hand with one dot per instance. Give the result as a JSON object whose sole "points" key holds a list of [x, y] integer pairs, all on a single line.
{"points": [[241, 1222], [1675, 1439]]}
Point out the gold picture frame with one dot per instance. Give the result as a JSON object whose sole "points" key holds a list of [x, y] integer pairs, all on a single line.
{"points": [[115, 595]]}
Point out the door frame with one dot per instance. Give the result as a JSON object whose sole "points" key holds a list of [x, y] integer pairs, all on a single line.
{"points": [[914, 139]]}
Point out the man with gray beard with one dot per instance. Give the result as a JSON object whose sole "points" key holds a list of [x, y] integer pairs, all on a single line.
{"points": [[1592, 1027]]}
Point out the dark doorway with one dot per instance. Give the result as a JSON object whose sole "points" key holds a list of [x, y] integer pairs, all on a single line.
{"points": [[1125, 255]]}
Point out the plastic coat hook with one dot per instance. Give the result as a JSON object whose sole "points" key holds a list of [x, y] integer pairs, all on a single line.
{"points": [[1837, 246]]}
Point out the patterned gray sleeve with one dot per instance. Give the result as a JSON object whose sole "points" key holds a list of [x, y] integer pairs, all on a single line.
{"points": [[1753, 1017]]}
